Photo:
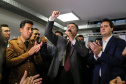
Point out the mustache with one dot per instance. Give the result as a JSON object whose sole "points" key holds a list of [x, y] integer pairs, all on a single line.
{"points": [[36, 37]]}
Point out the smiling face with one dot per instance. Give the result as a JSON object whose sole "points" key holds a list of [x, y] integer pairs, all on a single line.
{"points": [[35, 35], [73, 29], [105, 29], [26, 31]]}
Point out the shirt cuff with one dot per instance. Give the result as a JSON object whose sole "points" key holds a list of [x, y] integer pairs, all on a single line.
{"points": [[51, 18], [99, 55], [73, 42]]}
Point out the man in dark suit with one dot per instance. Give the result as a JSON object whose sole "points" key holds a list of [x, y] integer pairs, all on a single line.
{"points": [[66, 66], [124, 52], [2, 56], [107, 55], [5, 32]]}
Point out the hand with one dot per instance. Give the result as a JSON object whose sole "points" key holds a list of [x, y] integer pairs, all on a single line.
{"points": [[117, 81], [70, 36], [55, 14], [30, 80], [35, 48], [23, 78], [124, 52], [96, 48]]}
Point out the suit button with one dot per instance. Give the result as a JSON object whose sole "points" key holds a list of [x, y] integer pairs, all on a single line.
{"points": [[28, 60], [29, 66], [29, 72], [18, 53]]}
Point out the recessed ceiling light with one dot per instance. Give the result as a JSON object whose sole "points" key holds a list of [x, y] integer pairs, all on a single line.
{"points": [[68, 17]]}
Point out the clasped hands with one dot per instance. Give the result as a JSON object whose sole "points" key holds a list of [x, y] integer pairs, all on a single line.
{"points": [[117, 80], [31, 79], [96, 48], [35, 48]]}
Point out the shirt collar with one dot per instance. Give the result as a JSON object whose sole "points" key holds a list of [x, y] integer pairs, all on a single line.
{"points": [[107, 39]]}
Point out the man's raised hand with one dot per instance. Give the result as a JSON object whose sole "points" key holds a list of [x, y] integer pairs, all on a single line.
{"points": [[55, 14]]}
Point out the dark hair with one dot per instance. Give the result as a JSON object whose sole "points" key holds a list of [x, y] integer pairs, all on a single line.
{"points": [[98, 39], [35, 29], [59, 32], [75, 25], [3, 25], [80, 36], [110, 22], [22, 24], [90, 41], [2, 49]]}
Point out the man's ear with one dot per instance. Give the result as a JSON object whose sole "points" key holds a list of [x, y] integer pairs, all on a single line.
{"points": [[20, 29], [76, 32], [111, 29]]}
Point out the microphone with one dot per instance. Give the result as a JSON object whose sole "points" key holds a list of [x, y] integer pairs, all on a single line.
{"points": [[67, 35], [69, 30]]}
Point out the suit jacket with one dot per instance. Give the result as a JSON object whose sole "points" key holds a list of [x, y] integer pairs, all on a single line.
{"points": [[18, 60], [77, 52], [5, 70], [110, 62]]}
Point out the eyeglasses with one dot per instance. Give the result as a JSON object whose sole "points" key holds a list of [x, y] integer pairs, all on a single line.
{"points": [[7, 31], [37, 34]]}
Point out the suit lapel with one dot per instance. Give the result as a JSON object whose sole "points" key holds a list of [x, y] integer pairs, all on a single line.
{"points": [[109, 44], [101, 43], [31, 44], [72, 49], [21, 44]]}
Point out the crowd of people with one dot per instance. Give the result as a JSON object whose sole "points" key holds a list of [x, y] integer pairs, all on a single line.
{"points": [[29, 59]]}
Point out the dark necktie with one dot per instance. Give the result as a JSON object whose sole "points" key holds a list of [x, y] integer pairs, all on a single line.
{"points": [[67, 58], [26, 44]]}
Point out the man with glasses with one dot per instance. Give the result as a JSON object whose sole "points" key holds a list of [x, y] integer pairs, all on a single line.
{"points": [[35, 35]]}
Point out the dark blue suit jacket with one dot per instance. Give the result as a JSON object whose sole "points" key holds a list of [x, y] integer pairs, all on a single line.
{"points": [[110, 62]]}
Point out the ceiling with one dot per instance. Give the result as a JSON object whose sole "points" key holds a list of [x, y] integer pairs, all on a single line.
{"points": [[86, 10]]}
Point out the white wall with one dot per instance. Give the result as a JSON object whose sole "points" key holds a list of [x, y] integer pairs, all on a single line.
{"points": [[122, 37], [14, 20]]}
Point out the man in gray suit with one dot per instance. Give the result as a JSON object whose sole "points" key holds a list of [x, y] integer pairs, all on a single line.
{"points": [[66, 65]]}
